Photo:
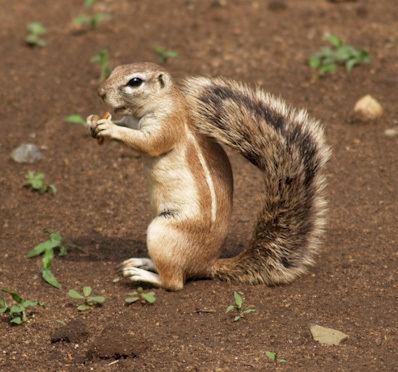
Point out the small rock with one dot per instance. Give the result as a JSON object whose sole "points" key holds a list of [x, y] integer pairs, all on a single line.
{"points": [[391, 132], [367, 109], [27, 153], [327, 336]]}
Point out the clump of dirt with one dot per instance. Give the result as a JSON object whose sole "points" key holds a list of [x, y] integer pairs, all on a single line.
{"points": [[74, 331], [116, 343]]}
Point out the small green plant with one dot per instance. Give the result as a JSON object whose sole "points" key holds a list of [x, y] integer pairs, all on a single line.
{"points": [[89, 3], [238, 307], [18, 311], [327, 59], [36, 182], [47, 249], [75, 119], [273, 357], [165, 54], [88, 300], [102, 60], [140, 295], [92, 21], [34, 32]]}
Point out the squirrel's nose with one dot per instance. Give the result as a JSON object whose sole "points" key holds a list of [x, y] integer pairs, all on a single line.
{"points": [[101, 92]]}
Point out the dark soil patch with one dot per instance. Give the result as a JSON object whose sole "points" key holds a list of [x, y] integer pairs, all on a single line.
{"points": [[74, 331], [116, 343], [102, 206]]}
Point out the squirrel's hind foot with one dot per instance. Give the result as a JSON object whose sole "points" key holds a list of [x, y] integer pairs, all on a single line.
{"points": [[138, 275], [142, 263]]}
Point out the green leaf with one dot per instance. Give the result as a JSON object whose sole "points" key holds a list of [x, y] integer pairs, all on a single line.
{"points": [[164, 54], [229, 309], [36, 28], [96, 299], [249, 310], [75, 294], [87, 291], [96, 19], [238, 317], [282, 361], [238, 299], [132, 299], [83, 307], [29, 303], [75, 119], [49, 277], [271, 355], [149, 297], [349, 65], [328, 69], [88, 3], [47, 258], [4, 309], [16, 309], [17, 320], [81, 20], [314, 61], [62, 251], [56, 237], [15, 296], [32, 40], [40, 248], [334, 40]]}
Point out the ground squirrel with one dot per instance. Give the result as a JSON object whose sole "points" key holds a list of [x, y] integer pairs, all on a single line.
{"points": [[179, 130]]}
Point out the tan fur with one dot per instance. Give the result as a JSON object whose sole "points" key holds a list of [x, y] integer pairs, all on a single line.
{"points": [[190, 178]]}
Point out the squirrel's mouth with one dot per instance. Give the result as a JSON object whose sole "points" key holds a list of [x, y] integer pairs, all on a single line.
{"points": [[119, 109]]}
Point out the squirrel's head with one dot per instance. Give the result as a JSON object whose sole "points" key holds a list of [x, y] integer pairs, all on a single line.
{"points": [[135, 89]]}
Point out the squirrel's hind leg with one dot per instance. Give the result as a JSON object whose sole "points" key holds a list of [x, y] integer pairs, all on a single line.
{"points": [[167, 249]]}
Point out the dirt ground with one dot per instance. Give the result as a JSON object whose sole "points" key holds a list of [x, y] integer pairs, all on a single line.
{"points": [[101, 204]]}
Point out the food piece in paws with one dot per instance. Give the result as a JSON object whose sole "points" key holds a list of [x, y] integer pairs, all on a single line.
{"points": [[106, 116]]}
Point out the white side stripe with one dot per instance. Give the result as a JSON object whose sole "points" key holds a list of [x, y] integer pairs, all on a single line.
{"points": [[209, 180]]}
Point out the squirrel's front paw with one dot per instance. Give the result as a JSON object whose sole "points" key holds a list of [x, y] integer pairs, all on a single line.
{"points": [[92, 124], [101, 127]]}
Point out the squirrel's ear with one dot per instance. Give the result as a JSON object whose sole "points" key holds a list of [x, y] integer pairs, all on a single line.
{"points": [[161, 80]]}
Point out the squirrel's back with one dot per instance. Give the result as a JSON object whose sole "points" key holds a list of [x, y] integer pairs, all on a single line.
{"points": [[289, 148]]}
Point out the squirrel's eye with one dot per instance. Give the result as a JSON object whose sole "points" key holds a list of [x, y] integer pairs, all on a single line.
{"points": [[135, 82]]}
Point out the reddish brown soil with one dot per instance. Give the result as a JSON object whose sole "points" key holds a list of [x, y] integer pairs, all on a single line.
{"points": [[101, 203]]}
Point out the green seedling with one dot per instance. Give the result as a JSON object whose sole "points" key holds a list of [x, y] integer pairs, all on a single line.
{"points": [[34, 32], [86, 298], [273, 357], [165, 54], [327, 59], [75, 119], [238, 307], [140, 295], [91, 21], [89, 3], [102, 60], [17, 312], [47, 249], [36, 182]]}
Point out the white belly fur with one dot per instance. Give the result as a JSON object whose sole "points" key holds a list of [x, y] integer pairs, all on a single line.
{"points": [[172, 185]]}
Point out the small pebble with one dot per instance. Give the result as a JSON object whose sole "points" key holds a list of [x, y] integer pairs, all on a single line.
{"points": [[391, 132], [27, 153], [367, 109]]}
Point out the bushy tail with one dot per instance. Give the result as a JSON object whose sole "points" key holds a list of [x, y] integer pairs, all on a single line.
{"points": [[289, 148]]}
